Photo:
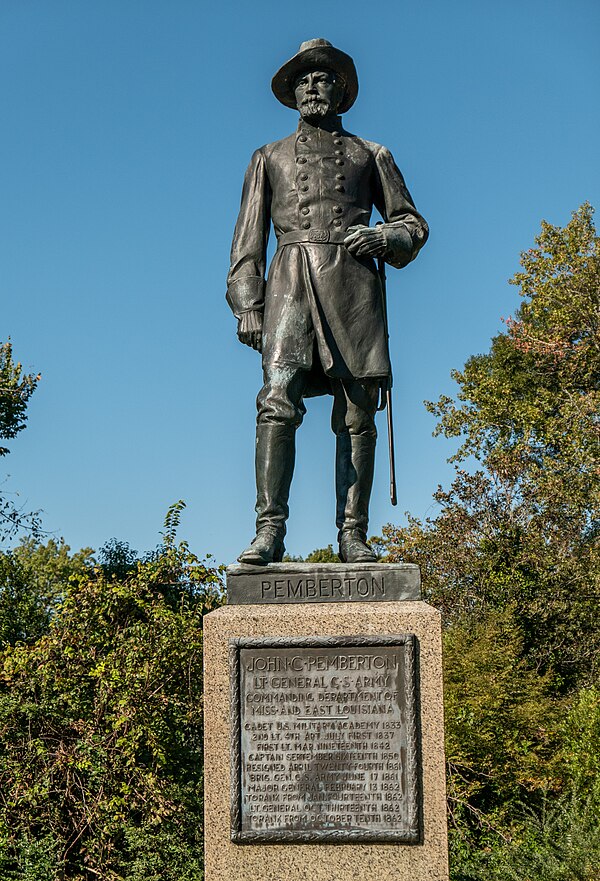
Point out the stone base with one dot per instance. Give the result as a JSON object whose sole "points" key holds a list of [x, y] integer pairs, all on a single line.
{"points": [[323, 583], [226, 861]]}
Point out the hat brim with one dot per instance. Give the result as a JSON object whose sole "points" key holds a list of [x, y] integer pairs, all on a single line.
{"points": [[319, 56]]}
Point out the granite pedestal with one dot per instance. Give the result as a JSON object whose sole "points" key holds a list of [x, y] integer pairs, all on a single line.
{"points": [[324, 755]]}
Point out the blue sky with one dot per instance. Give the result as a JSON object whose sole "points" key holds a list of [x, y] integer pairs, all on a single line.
{"points": [[127, 127]]}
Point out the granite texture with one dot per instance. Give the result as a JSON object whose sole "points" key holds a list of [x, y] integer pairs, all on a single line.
{"points": [[225, 861]]}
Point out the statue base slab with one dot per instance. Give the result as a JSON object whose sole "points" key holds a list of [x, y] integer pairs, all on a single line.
{"points": [[323, 583]]}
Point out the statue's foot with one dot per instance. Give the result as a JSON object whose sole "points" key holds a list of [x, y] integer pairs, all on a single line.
{"points": [[267, 547], [354, 547]]}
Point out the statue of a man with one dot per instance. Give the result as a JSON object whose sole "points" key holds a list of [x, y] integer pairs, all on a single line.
{"points": [[319, 319]]}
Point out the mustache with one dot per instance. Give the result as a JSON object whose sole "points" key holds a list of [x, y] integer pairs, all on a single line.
{"points": [[314, 100]]}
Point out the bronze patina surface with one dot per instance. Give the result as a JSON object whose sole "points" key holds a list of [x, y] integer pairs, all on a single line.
{"points": [[323, 583], [320, 318], [324, 743]]}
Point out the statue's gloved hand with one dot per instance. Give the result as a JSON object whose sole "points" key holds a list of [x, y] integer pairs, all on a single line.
{"points": [[249, 329], [366, 241]]}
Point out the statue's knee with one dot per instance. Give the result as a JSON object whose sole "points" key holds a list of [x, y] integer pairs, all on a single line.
{"points": [[366, 431], [274, 406]]}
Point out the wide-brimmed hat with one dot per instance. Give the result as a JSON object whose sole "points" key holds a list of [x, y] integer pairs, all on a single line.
{"points": [[316, 53]]}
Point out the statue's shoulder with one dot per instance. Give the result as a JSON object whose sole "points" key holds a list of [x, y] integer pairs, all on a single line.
{"points": [[371, 147], [276, 148]]}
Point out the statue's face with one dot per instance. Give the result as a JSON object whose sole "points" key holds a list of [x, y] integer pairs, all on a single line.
{"points": [[318, 93]]}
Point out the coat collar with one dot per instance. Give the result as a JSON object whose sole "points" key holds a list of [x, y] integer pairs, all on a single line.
{"points": [[335, 128]]}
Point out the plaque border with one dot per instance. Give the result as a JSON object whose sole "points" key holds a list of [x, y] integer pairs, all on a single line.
{"points": [[411, 835]]}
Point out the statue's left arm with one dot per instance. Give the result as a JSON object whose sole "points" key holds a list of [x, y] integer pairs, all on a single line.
{"points": [[404, 231]]}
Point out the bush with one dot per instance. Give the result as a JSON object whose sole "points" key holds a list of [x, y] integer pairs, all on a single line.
{"points": [[101, 728]]}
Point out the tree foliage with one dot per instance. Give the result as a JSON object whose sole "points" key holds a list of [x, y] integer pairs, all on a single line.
{"points": [[323, 555], [33, 580], [530, 407], [512, 559], [16, 387], [501, 720], [550, 833], [523, 529], [101, 724], [100, 659]]}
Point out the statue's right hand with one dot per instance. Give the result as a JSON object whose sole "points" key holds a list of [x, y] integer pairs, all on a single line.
{"points": [[250, 329]]}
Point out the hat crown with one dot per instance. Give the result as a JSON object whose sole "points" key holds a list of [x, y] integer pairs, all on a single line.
{"points": [[319, 42]]}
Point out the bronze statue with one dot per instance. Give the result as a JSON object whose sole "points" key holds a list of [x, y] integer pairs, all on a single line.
{"points": [[319, 319]]}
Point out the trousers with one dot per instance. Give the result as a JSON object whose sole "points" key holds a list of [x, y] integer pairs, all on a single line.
{"points": [[280, 401], [280, 411]]}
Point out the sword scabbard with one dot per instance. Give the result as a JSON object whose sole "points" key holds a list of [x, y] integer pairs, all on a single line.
{"points": [[388, 396]]}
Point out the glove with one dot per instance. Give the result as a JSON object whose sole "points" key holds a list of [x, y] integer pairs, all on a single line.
{"points": [[366, 241]]}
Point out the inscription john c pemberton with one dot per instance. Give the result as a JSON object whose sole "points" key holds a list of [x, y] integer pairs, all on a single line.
{"points": [[324, 739]]}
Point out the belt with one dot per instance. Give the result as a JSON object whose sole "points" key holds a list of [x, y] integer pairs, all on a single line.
{"points": [[313, 236]]}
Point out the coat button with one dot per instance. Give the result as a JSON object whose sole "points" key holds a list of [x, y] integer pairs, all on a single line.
{"points": [[337, 161], [339, 152], [337, 209], [301, 160], [339, 177], [303, 139], [337, 142], [305, 176], [306, 225], [305, 189], [306, 210], [339, 188], [335, 134], [337, 222]]}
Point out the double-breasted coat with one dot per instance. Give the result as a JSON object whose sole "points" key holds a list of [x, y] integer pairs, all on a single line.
{"points": [[322, 305]]}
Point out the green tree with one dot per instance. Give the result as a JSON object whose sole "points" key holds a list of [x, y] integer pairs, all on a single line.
{"points": [[323, 555], [552, 837], [523, 529], [101, 726], [33, 580], [16, 387], [513, 561], [531, 405], [117, 558], [501, 730]]}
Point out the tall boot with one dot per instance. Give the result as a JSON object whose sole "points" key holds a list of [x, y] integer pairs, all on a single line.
{"points": [[354, 467], [275, 457]]}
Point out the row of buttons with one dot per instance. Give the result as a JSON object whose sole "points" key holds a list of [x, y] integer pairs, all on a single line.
{"points": [[302, 160], [335, 135], [306, 224], [337, 209], [339, 187]]}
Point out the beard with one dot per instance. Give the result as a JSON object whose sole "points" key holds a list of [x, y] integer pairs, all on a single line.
{"points": [[314, 108]]}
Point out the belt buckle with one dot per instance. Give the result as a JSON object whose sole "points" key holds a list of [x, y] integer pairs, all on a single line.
{"points": [[319, 236]]}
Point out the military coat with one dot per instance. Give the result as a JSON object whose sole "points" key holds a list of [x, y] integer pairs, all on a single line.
{"points": [[321, 303]]}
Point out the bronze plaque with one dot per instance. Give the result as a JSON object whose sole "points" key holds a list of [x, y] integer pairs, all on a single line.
{"points": [[324, 739]]}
